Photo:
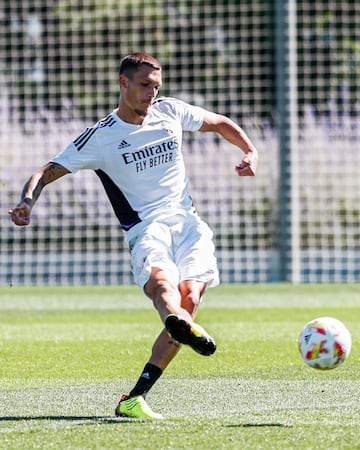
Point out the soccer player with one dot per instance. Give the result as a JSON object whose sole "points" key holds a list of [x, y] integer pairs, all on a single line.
{"points": [[136, 153]]}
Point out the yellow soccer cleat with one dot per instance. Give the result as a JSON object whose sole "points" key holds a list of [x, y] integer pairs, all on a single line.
{"points": [[135, 407]]}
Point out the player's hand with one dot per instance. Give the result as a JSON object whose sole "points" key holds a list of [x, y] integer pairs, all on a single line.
{"points": [[248, 165], [21, 214]]}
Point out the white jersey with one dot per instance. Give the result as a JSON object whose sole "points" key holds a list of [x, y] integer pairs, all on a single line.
{"points": [[141, 166]]}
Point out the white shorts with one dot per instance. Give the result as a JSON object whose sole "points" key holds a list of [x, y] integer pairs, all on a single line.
{"points": [[182, 246]]}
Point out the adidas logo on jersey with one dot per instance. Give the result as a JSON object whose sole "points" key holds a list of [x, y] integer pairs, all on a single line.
{"points": [[123, 144]]}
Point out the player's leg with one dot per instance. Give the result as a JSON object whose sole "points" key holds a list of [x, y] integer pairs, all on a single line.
{"points": [[197, 266], [165, 294], [177, 306], [150, 251], [191, 292], [165, 347], [168, 300]]}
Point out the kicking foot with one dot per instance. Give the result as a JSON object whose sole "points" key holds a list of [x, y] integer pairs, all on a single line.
{"points": [[191, 334]]}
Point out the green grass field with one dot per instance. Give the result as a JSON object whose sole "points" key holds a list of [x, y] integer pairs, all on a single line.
{"points": [[68, 353]]}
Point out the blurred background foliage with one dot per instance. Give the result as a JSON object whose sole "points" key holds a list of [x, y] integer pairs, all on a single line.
{"points": [[49, 69]]}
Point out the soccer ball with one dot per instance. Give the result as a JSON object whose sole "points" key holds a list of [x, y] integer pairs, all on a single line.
{"points": [[324, 343]]}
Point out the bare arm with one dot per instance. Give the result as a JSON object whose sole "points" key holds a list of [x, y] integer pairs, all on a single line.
{"points": [[20, 215], [234, 134]]}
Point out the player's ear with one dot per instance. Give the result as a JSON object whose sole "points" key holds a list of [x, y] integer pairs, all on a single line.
{"points": [[123, 80]]}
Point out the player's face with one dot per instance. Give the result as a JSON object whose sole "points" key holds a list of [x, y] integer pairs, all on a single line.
{"points": [[139, 92]]}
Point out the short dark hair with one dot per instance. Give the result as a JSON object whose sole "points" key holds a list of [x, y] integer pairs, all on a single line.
{"points": [[131, 63]]}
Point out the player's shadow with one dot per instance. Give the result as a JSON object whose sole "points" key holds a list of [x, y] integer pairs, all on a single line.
{"points": [[249, 425], [76, 419]]}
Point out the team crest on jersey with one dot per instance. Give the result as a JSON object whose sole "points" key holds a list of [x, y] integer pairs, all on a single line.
{"points": [[123, 144]]}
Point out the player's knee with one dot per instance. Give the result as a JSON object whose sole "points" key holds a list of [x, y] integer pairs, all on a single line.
{"points": [[190, 301], [191, 293]]}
